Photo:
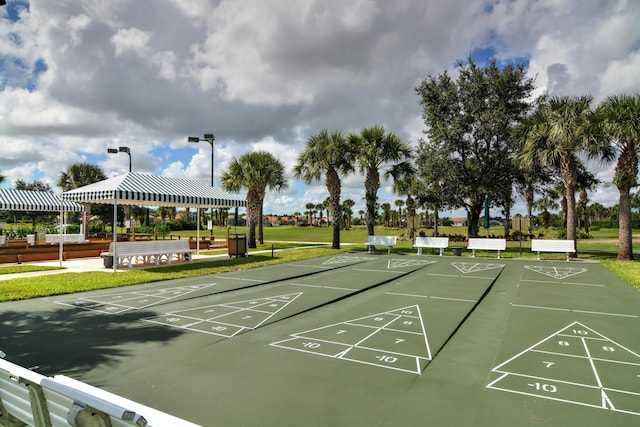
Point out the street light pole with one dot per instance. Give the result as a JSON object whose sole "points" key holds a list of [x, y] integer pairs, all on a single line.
{"points": [[209, 137], [121, 150]]}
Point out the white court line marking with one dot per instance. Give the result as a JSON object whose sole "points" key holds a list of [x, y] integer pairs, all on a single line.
{"points": [[379, 271], [309, 266], [430, 296], [575, 311], [239, 278], [540, 307], [460, 276], [563, 283], [322, 287]]}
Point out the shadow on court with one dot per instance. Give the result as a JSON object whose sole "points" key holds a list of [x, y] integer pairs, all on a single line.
{"points": [[71, 341]]}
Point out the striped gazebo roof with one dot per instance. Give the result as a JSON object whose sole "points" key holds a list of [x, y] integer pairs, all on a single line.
{"points": [[41, 201], [151, 190]]}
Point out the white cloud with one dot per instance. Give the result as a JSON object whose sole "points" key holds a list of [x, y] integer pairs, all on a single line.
{"points": [[130, 39], [78, 77]]}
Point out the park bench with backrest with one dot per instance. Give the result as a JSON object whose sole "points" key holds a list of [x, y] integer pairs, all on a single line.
{"points": [[148, 251], [431, 242], [476, 243], [388, 241], [51, 239], [30, 398], [566, 246]]}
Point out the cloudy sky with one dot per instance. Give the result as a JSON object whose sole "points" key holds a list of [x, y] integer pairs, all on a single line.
{"points": [[80, 76]]}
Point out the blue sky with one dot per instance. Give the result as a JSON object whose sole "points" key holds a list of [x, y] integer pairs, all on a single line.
{"points": [[79, 77]]}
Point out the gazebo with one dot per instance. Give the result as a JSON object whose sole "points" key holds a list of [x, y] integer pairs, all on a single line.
{"points": [[35, 201], [151, 190]]}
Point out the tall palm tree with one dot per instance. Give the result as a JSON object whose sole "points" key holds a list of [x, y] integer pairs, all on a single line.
{"points": [[544, 204], [347, 212], [375, 149], [329, 155], [556, 134], [78, 175], [620, 125], [309, 207], [256, 171], [386, 213]]}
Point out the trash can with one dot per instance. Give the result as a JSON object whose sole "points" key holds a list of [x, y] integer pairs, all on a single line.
{"points": [[108, 261], [237, 244], [457, 250]]}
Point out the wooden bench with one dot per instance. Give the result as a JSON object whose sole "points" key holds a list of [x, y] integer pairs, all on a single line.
{"points": [[476, 243], [147, 251], [388, 241], [431, 242], [567, 246]]}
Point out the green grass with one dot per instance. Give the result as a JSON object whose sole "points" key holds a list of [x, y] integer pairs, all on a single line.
{"points": [[64, 283], [26, 268]]}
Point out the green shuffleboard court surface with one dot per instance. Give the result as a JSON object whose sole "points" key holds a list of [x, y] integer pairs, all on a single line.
{"points": [[356, 339]]}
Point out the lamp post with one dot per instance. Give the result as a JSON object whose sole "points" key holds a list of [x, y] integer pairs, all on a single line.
{"points": [[209, 137], [126, 208], [121, 150]]}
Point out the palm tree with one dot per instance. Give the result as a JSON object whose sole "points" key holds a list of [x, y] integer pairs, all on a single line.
{"points": [[544, 204], [332, 156], [386, 213], [309, 207], [347, 212], [399, 203], [555, 135], [620, 124], [375, 149], [256, 171], [78, 175]]}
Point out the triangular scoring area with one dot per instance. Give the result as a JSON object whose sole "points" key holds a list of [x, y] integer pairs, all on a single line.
{"points": [[575, 365], [474, 267], [229, 319], [401, 262], [556, 272], [344, 259], [137, 300], [393, 339]]}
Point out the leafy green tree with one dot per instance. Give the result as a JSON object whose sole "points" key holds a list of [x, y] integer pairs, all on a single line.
{"points": [[377, 150], [386, 213], [35, 217], [469, 121], [619, 117], [545, 204], [556, 134], [256, 171], [309, 207], [78, 175]]}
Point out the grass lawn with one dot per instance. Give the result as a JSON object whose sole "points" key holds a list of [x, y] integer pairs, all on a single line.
{"points": [[281, 237]]}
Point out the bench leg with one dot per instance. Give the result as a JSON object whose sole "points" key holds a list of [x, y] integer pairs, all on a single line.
{"points": [[389, 249], [498, 254], [538, 255], [473, 255], [568, 253], [419, 251], [441, 251]]}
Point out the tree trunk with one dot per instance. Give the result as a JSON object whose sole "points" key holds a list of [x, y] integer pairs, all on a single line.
{"points": [[568, 172], [334, 187], [371, 185], [625, 244], [528, 195], [473, 215], [260, 221], [253, 212]]}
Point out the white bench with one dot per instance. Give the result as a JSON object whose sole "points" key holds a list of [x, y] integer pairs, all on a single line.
{"points": [[388, 241], [30, 398], [431, 242], [51, 239], [149, 251], [476, 243], [567, 246]]}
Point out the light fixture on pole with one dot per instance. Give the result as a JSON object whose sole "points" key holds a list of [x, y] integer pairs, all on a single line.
{"points": [[121, 150], [209, 137]]}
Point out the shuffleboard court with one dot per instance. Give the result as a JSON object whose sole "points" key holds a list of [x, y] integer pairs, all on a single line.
{"points": [[386, 340], [146, 296]]}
